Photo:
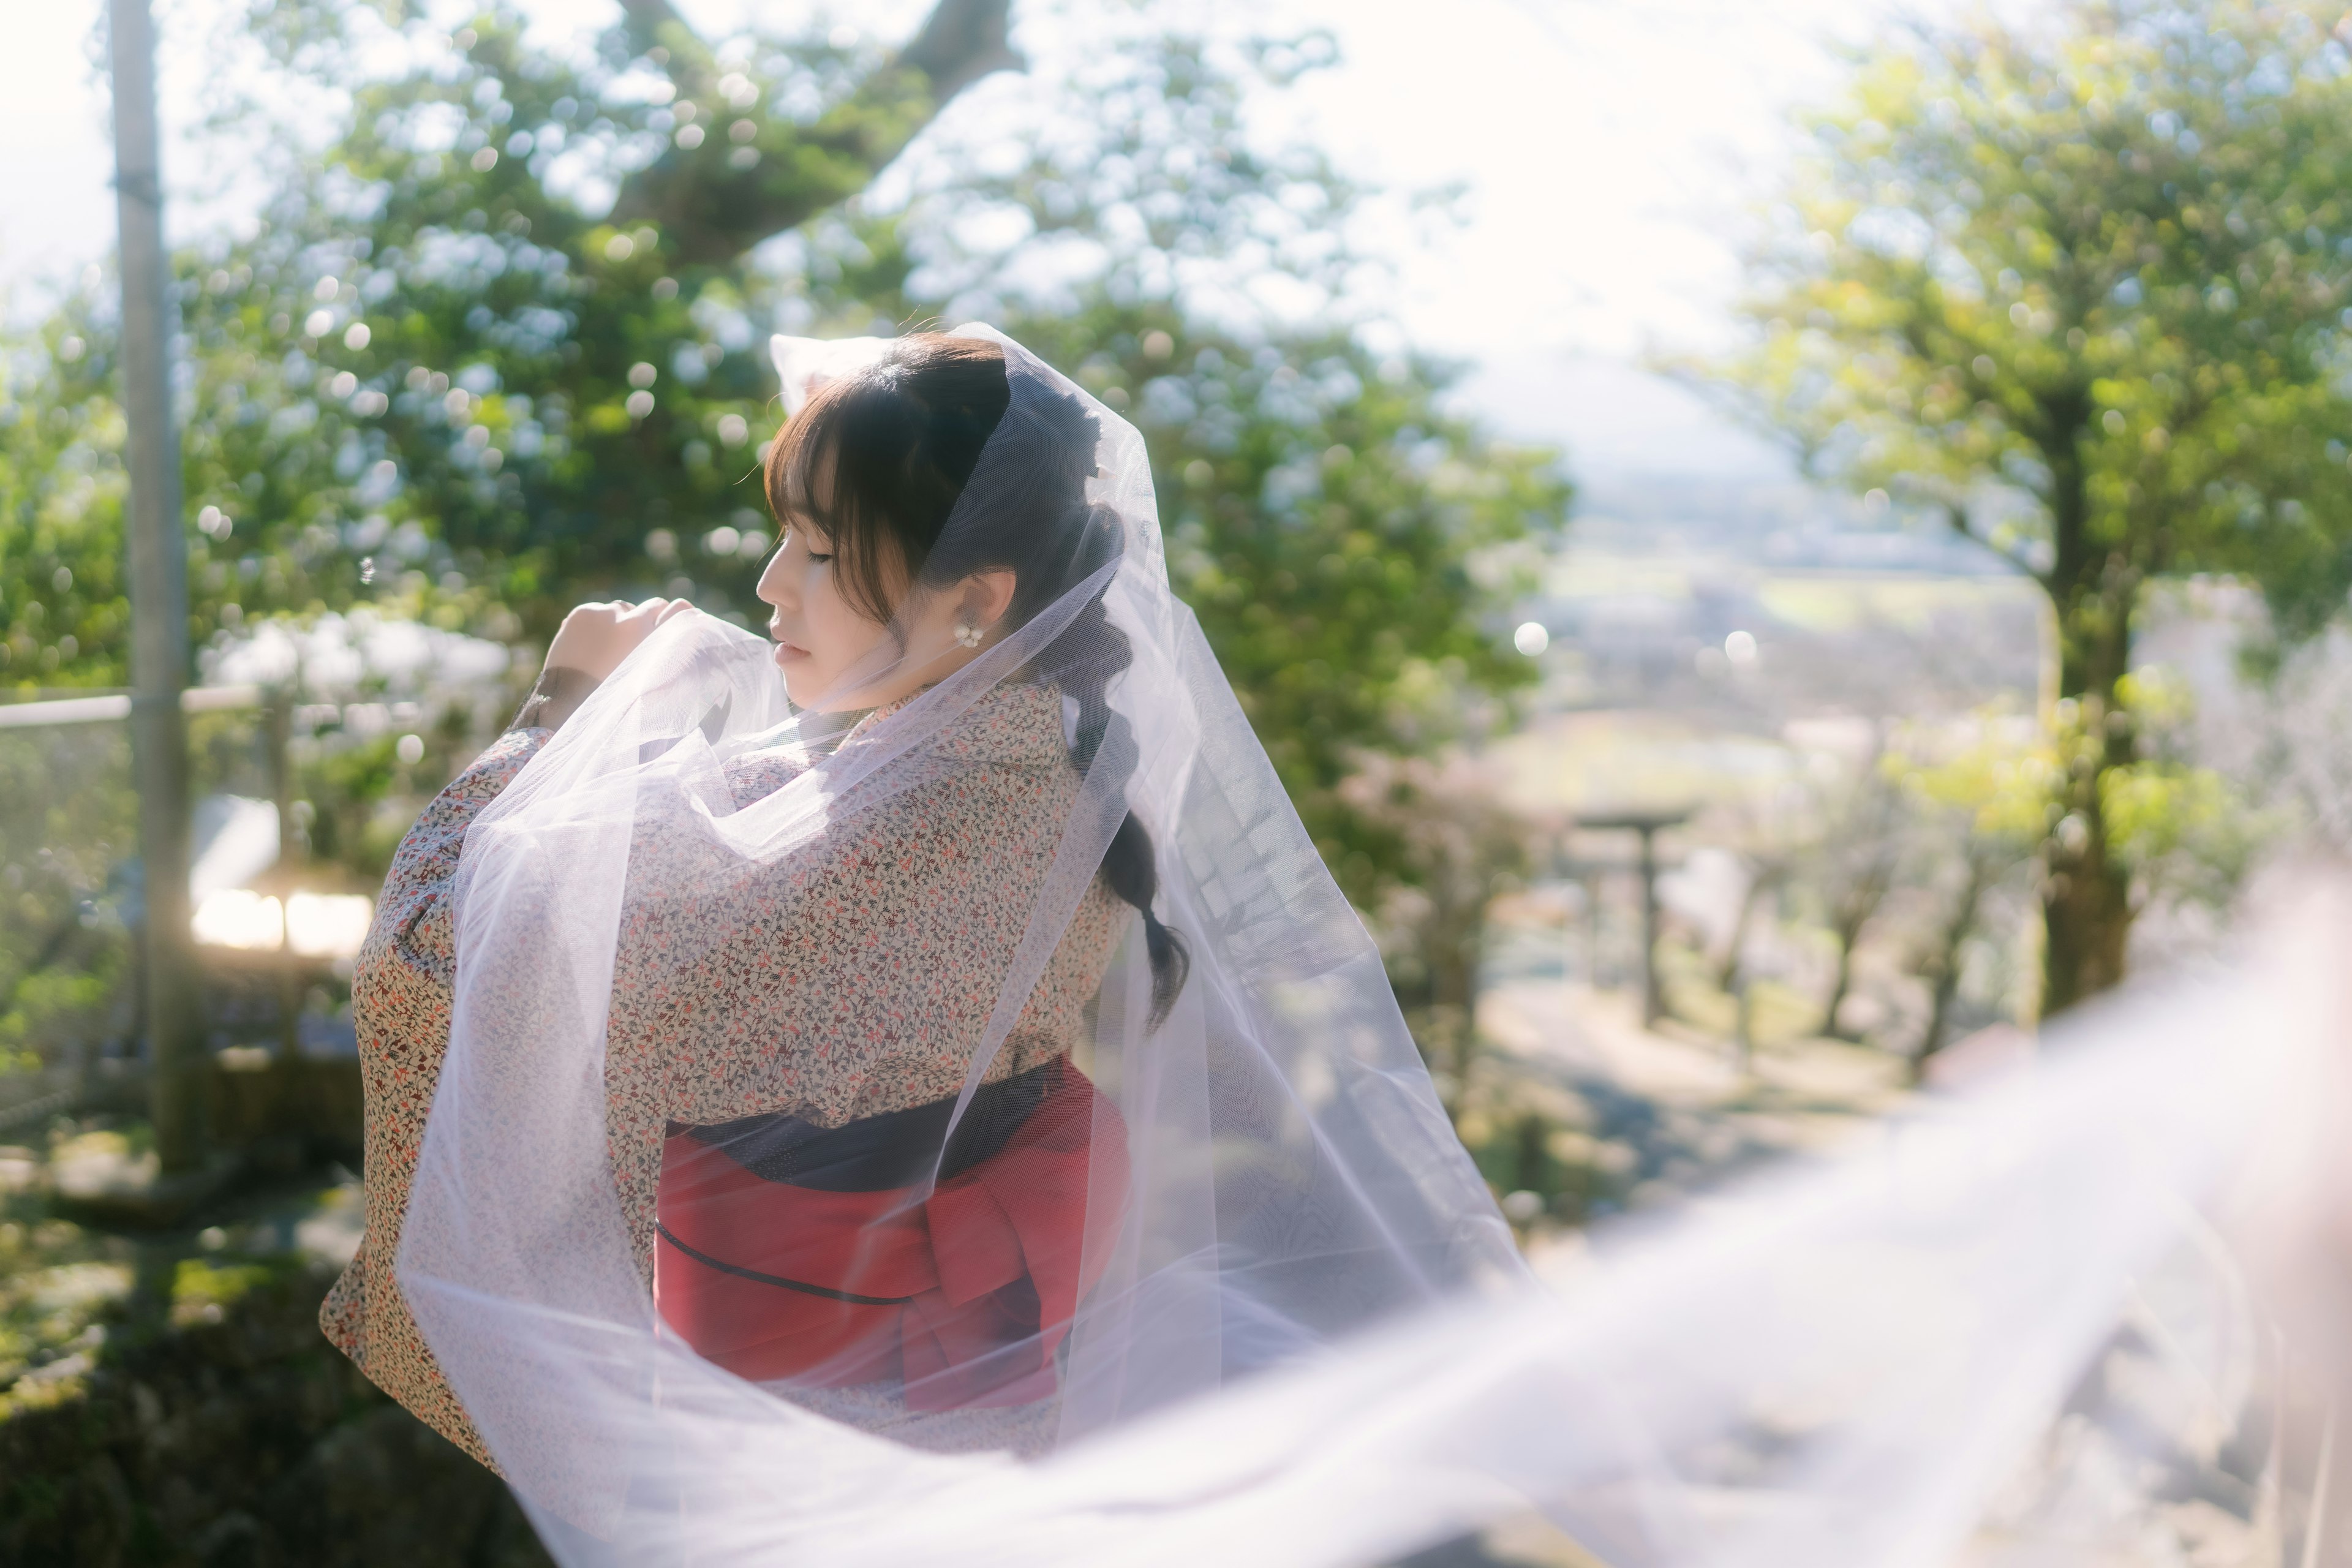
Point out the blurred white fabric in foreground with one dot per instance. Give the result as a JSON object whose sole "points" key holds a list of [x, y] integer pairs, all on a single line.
{"points": [[2086, 1315]]}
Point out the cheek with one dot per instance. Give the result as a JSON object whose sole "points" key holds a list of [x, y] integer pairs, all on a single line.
{"points": [[846, 635]]}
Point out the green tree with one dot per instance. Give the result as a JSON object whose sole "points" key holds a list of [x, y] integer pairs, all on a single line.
{"points": [[66, 814], [63, 616], [498, 334], [1980, 790], [1349, 544], [1462, 846], [458, 433], [1852, 866], [2076, 285]]}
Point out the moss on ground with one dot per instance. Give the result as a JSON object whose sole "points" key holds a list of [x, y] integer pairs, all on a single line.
{"points": [[167, 1400]]}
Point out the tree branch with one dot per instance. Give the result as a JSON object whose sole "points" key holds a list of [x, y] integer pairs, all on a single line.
{"points": [[1957, 516], [711, 210], [963, 41]]}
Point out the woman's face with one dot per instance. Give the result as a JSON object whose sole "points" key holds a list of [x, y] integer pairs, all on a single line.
{"points": [[820, 636], [835, 657]]}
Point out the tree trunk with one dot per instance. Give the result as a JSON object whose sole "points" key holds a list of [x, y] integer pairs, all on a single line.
{"points": [[1653, 991], [1838, 986], [1743, 1027], [1943, 970], [2086, 896], [713, 206], [1726, 972], [1846, 926], [2087, 917], [1451, 941]]}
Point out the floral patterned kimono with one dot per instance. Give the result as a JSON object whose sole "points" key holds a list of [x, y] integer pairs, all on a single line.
{"points": [[767, 1026]]}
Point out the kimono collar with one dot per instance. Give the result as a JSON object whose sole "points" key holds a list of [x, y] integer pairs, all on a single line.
{"points": [[1015, 723]]}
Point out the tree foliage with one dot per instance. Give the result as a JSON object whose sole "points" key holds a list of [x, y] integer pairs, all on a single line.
{"points": [[499, 331], [65, 812], [1348, 542], [63, 612], [2078, 286], [500, 347]]}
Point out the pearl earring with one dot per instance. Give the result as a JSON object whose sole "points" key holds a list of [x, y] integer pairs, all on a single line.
{"points": [[968, 634]]}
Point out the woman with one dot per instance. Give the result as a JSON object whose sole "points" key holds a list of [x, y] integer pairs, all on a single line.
{"points": [[956, 1038], [785, 1047]]}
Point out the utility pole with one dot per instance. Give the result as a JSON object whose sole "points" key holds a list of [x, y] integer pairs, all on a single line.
{"points": [[159, 598]]}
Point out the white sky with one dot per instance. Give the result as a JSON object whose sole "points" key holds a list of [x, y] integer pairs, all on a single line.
{"points": [[1609, 146]]}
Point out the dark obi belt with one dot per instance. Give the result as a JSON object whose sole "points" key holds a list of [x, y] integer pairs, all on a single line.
{"points": [[798, 1252]]}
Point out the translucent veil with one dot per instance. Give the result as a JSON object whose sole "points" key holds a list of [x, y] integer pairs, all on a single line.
{"points": [[1271, 1314], [1267, 1169]]}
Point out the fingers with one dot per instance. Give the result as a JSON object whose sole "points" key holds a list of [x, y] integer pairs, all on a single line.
{"points": [[644, 615], [658, 612]]}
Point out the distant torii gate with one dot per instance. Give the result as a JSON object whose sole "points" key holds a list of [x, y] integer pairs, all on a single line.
{"points": [[1648, 824]]}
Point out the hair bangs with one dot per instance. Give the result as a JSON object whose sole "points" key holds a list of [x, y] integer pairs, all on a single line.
{"points": [[818, 478]]}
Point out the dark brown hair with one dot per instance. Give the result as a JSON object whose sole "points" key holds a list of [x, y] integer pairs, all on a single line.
{"points": [[876, 462], [900, 441]]}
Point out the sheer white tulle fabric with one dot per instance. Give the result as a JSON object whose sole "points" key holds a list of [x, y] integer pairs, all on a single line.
{"points": [[1282, 1174], [1306, 1337]]}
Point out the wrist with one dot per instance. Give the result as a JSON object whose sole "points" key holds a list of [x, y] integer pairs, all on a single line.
{"points": [[558, 694]]}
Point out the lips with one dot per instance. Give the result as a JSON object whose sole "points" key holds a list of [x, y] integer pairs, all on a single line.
{"points": [[786, 652]]}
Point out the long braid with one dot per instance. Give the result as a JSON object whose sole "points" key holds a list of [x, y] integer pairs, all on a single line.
{"points": [[1131, 865]]}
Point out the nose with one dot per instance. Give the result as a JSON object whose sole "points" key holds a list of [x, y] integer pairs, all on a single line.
{"points": [[771, 588]]}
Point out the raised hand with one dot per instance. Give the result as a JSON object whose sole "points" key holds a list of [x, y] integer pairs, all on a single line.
{"points": [[594, 638], [589, 645]]}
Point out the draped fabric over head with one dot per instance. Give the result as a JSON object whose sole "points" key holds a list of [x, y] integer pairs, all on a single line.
{"points": [[1265, 1170], [1238, 1261]]}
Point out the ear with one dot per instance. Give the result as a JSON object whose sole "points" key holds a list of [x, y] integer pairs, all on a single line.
{"points": [[805, 364], [986, 596]]}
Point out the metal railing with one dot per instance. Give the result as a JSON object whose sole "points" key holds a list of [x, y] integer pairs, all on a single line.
{"points": [[114, 706], [31, 1112]]}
